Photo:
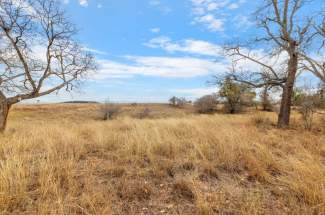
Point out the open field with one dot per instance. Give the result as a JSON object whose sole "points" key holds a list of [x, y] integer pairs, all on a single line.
{"points": [[63, 159]]}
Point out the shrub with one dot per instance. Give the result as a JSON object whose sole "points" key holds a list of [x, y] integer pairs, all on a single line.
{"points": [[261, 121], [298, 97], [133, 190], [206, 104], [183, 189], [145, 113], [308, 101], [320, 97], [109, 111], [307, 110]]}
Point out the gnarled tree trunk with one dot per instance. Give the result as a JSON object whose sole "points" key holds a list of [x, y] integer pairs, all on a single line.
{"points": [[285, 109], [4, 110]]}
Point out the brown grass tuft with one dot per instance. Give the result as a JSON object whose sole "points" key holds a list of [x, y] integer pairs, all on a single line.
{"points": [[183, 189]]}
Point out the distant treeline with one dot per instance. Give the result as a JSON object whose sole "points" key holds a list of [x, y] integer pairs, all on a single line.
{"points": [[80, 102]]}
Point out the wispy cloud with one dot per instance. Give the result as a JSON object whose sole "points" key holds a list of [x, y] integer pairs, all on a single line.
{"points": [[200, 60], [182, 67], [189, 46], [211, 22], [242, 22], [155, 30], [212, 13], [95, 51], [169, 67], [165, 9], [83, 3]]}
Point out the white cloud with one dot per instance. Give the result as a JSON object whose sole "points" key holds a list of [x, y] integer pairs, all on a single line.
{"points": [[190, 46], [213, 13], [242, 22], [178, 67], [233, 6], [211, 22], [212, 6], [95, 51], [155, 30], [83, 3]]}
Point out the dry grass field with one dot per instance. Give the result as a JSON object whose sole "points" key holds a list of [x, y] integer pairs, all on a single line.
{"points": [[63, 159]]}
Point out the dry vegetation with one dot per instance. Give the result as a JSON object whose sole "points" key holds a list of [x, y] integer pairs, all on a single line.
{"points": [[63, 159]]}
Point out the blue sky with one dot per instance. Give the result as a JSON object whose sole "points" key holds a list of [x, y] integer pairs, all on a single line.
{"points": [[150, 50]]}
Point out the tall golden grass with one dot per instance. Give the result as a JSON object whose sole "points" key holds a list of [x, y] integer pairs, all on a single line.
{"points": [[65, 160]]}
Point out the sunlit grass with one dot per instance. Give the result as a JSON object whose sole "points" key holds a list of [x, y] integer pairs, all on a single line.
{"points": [[65, 160]]}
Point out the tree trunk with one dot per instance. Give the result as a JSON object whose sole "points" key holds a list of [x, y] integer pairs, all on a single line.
{"points": [[285, 109], [265, 100], [4, 110]]}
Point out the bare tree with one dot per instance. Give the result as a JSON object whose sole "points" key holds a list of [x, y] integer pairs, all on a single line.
{"points": [[177, 102], [38, 53], [315, 63], [288, 35], [315, 66]]}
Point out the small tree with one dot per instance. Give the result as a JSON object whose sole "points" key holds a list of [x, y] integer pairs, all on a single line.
{"points": [[236, 95], [38, 52], [173, 101], [206, 104], [248, 97], [109, 110]]}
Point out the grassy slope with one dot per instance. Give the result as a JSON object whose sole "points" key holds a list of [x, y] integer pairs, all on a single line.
{"points": [[62, 159]]}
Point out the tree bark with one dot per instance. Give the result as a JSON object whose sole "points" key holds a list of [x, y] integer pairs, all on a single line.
{"points": [[4, 111], [265, 99], [285, 108]]}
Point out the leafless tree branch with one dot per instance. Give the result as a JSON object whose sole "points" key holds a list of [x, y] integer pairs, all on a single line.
{"points": [[38, 52]]}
